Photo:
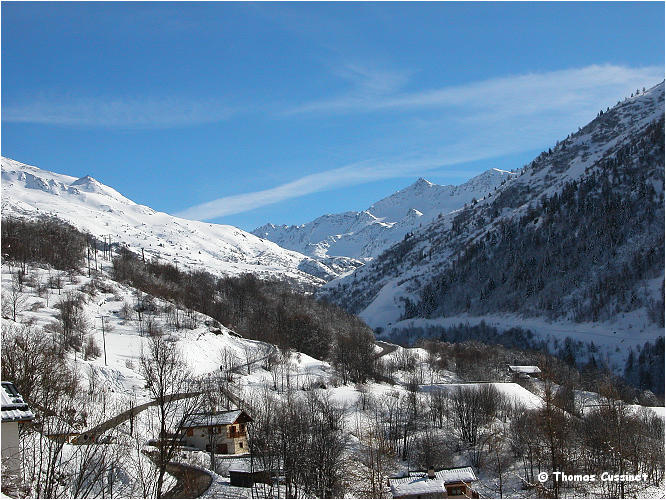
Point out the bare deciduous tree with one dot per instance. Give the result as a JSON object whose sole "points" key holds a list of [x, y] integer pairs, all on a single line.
{"points": [[176, 394], [14, 300]]}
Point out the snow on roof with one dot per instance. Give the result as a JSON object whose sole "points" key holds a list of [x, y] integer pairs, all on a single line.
{"points": [[524, 369], [240, 466], [210, 419], [14, 409], [418, 483], [417, 486]]}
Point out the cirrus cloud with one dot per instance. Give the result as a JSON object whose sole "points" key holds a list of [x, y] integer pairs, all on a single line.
{"points": [[492, 118]]}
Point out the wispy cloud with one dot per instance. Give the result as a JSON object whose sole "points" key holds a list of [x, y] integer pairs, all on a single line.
{"points": [[512, 95], [372, 90], [370, 80], [489, 119], [348, 175], [131, 113]]}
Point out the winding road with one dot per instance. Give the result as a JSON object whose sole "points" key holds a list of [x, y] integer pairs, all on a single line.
{"points": [[386, 348]]}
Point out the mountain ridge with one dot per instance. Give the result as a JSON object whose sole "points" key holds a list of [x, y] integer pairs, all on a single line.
{"points": [[364, 235], [87, 204]]}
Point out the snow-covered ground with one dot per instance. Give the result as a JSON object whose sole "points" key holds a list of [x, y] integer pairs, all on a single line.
{"points": [[514, 393], [613, 338], [29, 191], [204, 348]]}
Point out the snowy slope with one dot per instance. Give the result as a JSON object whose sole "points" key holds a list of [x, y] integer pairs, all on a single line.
{"points": [[377, 290], [28, 191], [514, 392], [204, 346], [364, 235], [115, 378]]}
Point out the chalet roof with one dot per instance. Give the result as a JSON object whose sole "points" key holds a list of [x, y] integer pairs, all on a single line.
{"points": [[524, 369], [14, 409], [418, 483], [222, 418]]}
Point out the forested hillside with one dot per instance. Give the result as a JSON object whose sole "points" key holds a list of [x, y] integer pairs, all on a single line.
{"points": [[573, 244], [267, 310], [588, 252]]}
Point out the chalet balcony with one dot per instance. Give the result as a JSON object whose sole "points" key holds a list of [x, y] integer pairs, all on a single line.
{"points": [[236, 434]]}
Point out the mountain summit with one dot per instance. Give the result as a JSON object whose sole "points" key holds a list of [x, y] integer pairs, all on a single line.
{"points": [[90, 206], [364, 235]]}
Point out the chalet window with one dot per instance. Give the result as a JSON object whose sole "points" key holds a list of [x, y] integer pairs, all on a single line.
{"points": [[240, 444], [455, 490], [190, 432]]}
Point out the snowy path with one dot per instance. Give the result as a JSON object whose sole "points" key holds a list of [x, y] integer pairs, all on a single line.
{"points": [[90, 434], [270, 351]]}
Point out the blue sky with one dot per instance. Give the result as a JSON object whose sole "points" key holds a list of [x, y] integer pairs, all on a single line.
{"points": [[244, 113]]}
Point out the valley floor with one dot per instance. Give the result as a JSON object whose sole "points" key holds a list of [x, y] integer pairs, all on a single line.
{"points": [[112, 382]]}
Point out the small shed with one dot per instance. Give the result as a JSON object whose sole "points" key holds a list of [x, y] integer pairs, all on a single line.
{"points": [[244, 473], [15, 412], [445, 483]]}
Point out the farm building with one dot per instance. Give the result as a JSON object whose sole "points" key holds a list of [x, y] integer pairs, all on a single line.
{"points": [[445, 483], [524, 371], [15, 412], [223, 432]]}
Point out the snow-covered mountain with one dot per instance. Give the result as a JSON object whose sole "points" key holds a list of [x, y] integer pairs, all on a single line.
{"points": [[575, 242], [364, 235], [29, 191]]}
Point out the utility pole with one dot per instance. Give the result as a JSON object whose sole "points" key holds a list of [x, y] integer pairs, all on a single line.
{"points": [[88, 250], [111, 482], [104, 337], [131, 418]]}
